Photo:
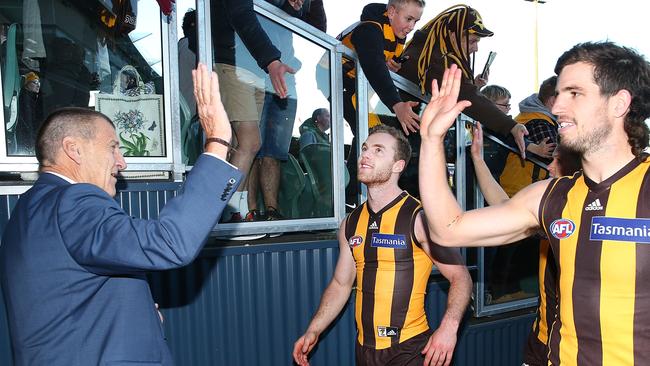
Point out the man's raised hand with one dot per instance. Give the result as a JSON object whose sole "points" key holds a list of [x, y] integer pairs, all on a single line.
{"points": [[212, 114]]}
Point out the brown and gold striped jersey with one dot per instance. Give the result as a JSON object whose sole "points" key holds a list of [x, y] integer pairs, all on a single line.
{"points": [[547, 292], [600, 236], [392, 272]]}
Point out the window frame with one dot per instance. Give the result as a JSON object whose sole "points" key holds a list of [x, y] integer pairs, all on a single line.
{"points": [[171, 161]]}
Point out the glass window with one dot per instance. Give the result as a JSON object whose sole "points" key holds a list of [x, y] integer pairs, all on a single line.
{"points": [[508, 274], [284, 145], [378, 113], [98, 54], [191, 133]]}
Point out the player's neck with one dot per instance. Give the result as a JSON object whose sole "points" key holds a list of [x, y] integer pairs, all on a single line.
{"points": [[608, 159], [379, 195]]}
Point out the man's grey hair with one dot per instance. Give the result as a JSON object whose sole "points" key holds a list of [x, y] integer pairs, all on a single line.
{"points": [[65, 122], [318, 112]]}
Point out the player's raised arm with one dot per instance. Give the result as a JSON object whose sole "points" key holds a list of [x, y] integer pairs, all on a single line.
{"points": [[449, 225]]}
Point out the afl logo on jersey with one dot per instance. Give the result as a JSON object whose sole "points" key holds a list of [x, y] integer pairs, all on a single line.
{"points": [[355, 241], [562, 228]]}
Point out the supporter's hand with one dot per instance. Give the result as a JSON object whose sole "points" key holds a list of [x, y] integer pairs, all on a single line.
{"points": [[407, 118], [481, 80], [440, 347], [393, 65], [543, 149], [444, 107], [296, 4], [518, 132], [477, 143], [212, 115], [303, 346], [276, 72]]}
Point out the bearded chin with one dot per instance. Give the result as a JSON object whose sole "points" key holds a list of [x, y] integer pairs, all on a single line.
{"points": [[590, 142], [376, 179]]}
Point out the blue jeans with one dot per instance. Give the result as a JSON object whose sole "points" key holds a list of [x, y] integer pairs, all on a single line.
{"points": [[276, 126]]}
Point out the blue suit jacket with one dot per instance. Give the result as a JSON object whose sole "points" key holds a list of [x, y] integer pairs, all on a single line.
{"points": [[73, 263]]}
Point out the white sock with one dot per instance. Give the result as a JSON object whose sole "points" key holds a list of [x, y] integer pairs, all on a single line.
{"points": [[233, 204], [243, 203]]}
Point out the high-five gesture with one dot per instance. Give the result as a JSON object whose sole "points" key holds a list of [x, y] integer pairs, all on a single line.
{"points": [[212, 115], [444, 106]]}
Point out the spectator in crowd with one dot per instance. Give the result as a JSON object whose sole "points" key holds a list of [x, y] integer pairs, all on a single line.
{"points": [[312, 131], [278, 115], [452, 37], [495, 155], [535, 114], [187, 59], [499, 95], [378, 40], [508, 265], [30, 114], [239, 70]]}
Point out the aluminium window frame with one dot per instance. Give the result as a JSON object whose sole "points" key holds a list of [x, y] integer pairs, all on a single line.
{"points": [[335, 49]]}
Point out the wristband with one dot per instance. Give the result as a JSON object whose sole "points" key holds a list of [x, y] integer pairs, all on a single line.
{"points": [[218, 141]]}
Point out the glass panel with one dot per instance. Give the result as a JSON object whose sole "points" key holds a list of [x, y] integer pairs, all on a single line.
{"points": [[378, 113], [511, 271], [191, 133], [284, 145], [88, 54]]}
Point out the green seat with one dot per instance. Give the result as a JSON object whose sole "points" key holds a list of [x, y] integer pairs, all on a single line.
{"points": [[295, 197], [191, 139], [317, 161]]}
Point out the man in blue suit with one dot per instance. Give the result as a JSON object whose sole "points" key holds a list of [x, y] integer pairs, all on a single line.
{"points": [[73, 263]]}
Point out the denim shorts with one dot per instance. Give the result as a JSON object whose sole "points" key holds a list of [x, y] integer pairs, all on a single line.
{"points": [[276, 126]]}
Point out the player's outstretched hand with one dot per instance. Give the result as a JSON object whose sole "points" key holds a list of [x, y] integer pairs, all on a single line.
{"points": [[444, 107]]}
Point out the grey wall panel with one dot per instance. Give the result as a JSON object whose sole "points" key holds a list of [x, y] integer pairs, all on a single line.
{"points": [[246, 306], [494, 343], [7, 203], [145, 200], [6, 357]]}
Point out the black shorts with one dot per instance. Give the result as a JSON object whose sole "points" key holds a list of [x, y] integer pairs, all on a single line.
{"points": [[407, 353], [535, 352]]}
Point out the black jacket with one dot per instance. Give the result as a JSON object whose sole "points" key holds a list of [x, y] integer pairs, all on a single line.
{"points": [[482, 109], [368, 41], [230, 16]]}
